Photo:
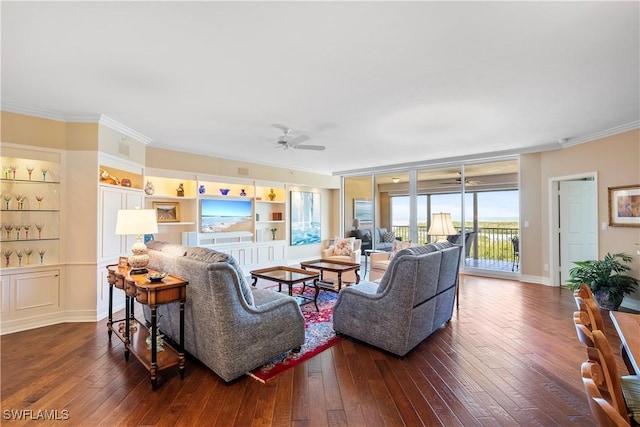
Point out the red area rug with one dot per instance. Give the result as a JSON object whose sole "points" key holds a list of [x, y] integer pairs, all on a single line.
{"points": [[319, 335]]}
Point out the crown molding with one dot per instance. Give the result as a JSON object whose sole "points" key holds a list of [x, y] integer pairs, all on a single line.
{"points": [[100, 119], [569, 142]]}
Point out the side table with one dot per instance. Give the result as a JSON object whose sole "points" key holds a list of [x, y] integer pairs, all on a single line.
{"points": [[169, 289]]}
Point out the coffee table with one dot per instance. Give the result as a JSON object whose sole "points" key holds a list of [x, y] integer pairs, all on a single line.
{"points": [[338, 267], [289, 276]]}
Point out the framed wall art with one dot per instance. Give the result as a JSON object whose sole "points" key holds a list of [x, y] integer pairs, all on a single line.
{"points": [[305, 218], [167, 211], [624, 206], [363, 210]]}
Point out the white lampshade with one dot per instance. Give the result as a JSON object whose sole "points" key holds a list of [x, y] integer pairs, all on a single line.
{"points": [[137, 222], [441, 225], [356, 223]]}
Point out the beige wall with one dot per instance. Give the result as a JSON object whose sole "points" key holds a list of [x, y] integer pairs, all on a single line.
{"points": [[616, 160]]}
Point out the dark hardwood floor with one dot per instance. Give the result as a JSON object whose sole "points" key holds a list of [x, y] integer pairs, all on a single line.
{"points": [[510, 356]]}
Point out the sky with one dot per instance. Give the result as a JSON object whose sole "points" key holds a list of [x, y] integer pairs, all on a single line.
{"points": [[492, 206]]}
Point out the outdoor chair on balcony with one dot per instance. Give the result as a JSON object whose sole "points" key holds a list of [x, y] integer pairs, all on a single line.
{"points": [[516, 253]]}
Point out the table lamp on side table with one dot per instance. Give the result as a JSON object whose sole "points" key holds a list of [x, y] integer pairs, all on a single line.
{"points": [[137, 222], [441, 225]]}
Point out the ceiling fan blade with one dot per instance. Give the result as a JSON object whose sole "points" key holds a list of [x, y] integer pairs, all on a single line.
{"points": [[298, 139], [283, 128], [310, 147]]}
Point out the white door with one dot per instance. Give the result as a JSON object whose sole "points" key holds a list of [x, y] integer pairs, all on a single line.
{"points": [[578, 224]]}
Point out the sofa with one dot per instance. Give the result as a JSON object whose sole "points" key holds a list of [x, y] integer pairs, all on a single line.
{"points": [[414, 298], [230, 326], [378, 237]]}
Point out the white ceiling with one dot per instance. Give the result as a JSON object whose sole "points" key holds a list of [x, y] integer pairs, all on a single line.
{"points": [[377, 83]]}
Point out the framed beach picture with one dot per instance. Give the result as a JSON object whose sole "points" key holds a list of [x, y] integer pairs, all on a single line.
{"points": [[624, 206], [167, 211], [363, 210], [305, 218]]}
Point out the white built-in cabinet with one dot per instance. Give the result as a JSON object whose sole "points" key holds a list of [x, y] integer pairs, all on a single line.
{"points": [[30, 244], [254, 247]]}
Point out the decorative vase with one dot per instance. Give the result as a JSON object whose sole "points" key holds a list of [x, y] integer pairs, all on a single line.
{"points": [[224, 191], [148, 188], [159, 342], [202, 189]]}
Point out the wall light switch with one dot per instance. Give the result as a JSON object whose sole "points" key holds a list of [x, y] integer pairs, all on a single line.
{"points": [[526, 224], [604, 226]]}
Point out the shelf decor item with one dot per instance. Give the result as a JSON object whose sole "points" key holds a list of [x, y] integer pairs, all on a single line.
{"points": [[202, 189], [39, 226], [7, 199], [167, 211], [39, 198], [224, 191], [180, 190], [28, 252], [148, 188], [41, 252], [26, 230], [273, 233], [14, 168], [44, 173], [137, 222], [242, 192], [7, 255], [271, 195], [30, 169]]}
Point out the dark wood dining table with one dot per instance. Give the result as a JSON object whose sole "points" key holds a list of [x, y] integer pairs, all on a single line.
{"points": [[628, 327]]}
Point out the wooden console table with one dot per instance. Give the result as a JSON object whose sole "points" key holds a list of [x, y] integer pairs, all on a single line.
{"points": [[134, 333]]}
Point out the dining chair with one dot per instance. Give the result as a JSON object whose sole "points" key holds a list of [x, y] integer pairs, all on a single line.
{"points": [[622, 392], [605, 414], [585, 302]]}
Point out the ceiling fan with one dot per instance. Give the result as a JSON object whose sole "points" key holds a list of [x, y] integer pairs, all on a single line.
{"points": [[458, 181], [288, 140]]}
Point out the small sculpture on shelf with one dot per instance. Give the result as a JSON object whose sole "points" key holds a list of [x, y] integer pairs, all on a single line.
{"points": [[242, 192], [271, 195], [224, 191], [202, 189], [180, 190], [148, 188], [273, 233]]}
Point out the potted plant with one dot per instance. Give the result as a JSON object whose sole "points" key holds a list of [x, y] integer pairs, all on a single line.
{"points": [[606, 278]]}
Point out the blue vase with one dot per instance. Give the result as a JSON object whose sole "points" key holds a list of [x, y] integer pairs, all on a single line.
{"points": [[202, 189]]}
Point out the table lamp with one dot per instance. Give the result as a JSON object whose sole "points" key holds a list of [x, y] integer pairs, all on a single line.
{"points": [[356, 223], [137, 222], [441, 225]]}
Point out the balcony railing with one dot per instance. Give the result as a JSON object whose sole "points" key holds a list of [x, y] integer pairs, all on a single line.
{"points": [[492, 246]]}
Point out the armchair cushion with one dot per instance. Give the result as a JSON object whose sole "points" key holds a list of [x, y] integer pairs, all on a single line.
{"points": [[344, 247]]}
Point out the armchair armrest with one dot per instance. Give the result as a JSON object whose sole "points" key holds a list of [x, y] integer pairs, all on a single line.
{"points": [[379, 256], [326, 253]]}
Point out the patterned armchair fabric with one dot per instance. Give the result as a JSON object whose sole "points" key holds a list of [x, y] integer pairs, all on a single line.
{"points": [[230, 326], [415, 297]]}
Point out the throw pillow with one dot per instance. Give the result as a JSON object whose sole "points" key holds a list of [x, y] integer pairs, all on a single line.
{"points": [[398, 246], [389, 237], [343, 247]]}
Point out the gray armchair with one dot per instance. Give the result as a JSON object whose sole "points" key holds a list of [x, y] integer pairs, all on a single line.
{"points": [[415, 298], [231, 327]]}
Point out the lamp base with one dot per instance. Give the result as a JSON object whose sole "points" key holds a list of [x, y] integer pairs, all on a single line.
{"points": [[138, 271]]}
